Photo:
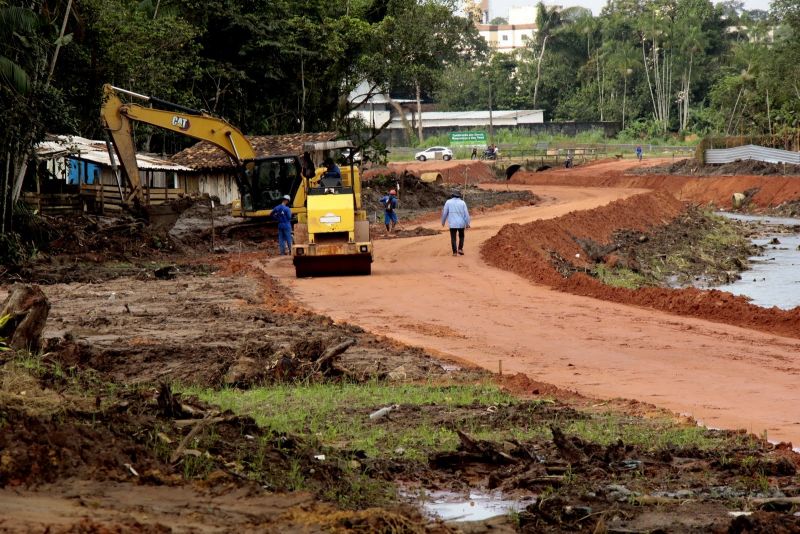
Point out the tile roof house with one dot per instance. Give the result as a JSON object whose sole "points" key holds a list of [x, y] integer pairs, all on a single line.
{"points": [[215, 174], [205, 157]]}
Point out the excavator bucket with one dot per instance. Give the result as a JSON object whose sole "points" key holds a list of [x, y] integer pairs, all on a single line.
{"points": [[333, 265]]}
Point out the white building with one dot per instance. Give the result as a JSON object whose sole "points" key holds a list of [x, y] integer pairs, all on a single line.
{"points": [[474, 119], [507, 37]]}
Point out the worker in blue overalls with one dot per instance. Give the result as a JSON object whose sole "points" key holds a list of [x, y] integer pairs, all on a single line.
{"points": [[283, 214], [389, 206]]}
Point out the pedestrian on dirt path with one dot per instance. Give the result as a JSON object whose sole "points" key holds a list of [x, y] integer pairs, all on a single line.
{"points": [[456, 215], [639, 152], [474, 153], [389, 202], [283, 214]]}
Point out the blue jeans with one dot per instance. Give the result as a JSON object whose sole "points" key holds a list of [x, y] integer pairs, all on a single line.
{"points": [[389, 217], [285, 238]]}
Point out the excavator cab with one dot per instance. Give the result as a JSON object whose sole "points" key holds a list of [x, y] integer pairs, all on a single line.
{"points": [[265, 181]]}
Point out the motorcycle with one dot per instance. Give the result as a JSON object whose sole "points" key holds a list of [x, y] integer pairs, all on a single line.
{"points": [[489, 154]]}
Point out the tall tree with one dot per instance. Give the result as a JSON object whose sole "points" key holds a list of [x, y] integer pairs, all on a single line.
{"points": [[417, 40], [548, 19], [27, 104]]}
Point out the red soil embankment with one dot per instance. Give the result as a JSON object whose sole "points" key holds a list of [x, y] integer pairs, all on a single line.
{"points": [[526, 250], [453, 171], [717, 190]]}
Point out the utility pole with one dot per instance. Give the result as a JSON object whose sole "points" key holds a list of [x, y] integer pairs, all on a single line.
{"points": [[491, 126]]}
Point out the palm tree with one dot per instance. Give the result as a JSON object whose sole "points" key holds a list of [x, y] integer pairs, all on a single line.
{"points": [[624, 60], [693, 43], [548, 19], [13, 22]]}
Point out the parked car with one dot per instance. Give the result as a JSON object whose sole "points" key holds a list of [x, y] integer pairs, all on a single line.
{"points": [[431, 153]]}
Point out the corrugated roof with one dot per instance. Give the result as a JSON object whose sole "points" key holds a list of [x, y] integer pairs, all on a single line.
{"points": [[95, 151], [484, 114], [205, 156]]}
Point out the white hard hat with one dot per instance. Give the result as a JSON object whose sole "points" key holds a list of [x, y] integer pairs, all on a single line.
{"points": [[287, 197]]}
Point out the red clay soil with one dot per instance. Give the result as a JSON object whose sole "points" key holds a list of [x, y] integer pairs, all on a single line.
{"points": [[527, 251], [453, 171], [717, 190]]}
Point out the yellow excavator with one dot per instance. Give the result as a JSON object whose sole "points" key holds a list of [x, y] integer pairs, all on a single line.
{"points": [[332, 233]]}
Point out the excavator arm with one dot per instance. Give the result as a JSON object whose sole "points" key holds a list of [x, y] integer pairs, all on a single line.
{"points": [[118, 118]]}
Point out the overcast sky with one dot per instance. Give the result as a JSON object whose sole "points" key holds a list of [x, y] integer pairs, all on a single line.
{"points": [[499, 8]]}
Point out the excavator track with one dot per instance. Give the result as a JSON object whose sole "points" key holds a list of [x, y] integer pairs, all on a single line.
{"points": [[333, 265]]}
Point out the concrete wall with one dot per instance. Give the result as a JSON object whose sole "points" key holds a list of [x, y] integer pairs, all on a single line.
{"points": [[397, 137]]}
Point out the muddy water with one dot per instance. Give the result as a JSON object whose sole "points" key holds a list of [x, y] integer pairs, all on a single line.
{"points": [[480, 505], [774, 279]]}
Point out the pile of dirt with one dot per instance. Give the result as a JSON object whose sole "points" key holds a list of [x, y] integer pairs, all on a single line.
{"points": [[100, 238], [535, 249], [98, 446], [193, 227], [413, 193], [453, 172], [692, 167], [421, 202], [772, 190]]}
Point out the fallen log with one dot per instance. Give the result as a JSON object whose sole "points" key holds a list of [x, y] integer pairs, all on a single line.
{"points": [[330, 353], [27, 308], [179, 452]]}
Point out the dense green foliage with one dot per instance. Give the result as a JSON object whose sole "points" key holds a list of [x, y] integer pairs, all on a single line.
{"points": [[658, 66], [276, 66], [268, 66]]}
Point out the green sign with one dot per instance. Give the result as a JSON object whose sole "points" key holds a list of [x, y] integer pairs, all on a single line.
{"points": [[467, 138]]}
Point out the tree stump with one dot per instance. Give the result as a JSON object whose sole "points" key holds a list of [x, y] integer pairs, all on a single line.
{"points": [[28, 307]]}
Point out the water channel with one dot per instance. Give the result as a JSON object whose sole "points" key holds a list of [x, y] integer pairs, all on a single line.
{"points": [[774, 277]]}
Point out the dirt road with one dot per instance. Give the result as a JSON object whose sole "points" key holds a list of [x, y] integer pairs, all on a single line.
{"points": [[460, 307]]}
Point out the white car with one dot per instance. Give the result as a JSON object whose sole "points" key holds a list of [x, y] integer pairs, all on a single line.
{"points": [[431, 153]]}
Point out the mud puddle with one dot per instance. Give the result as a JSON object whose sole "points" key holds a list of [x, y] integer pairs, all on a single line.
{"points": [[479, 505], [773, 279]]}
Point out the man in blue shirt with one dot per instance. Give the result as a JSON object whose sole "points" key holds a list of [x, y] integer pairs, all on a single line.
{"points": [[283, 214], [456, 214], [332, 170], [389, 206]]}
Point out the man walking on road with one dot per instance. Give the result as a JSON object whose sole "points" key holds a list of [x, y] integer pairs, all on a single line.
{"points": [[389, 206], [283, 214], [456, 214]]}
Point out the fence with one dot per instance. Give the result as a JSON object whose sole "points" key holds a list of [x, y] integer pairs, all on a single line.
{"points": [[547, 153], [102, 198]]}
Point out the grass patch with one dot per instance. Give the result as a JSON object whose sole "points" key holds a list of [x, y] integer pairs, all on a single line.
{"points": [[619, 276], [337, 415], [652, 434]]}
